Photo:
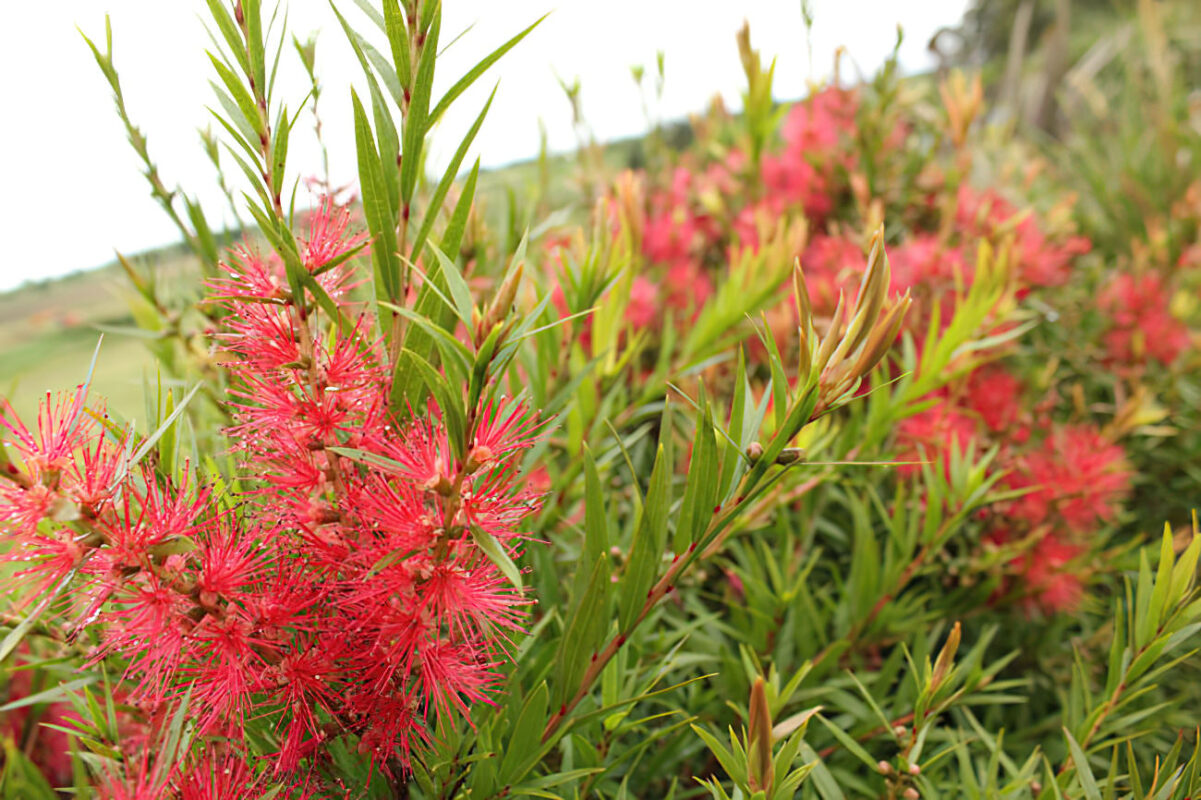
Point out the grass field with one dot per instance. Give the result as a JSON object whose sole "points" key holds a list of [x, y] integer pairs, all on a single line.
{"points": [[49, 331]]}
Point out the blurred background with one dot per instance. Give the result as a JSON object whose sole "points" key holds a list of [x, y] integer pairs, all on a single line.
{"points": [[77, 197]]}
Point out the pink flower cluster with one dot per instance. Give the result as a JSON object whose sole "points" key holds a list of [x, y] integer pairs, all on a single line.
{"points": [[332, 595], [708, 206], [1141, 322], [1072, 481]]}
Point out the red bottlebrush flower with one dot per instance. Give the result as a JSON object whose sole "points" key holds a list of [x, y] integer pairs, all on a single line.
{"points": [[643, 310], [1039, 262], [687, 286], [327, 235], [924, 262], [337, 591], [995, 395], [22, 509], [230, 559], [466, 599], [145, 784], [93, 475], [815, 125], [250, 277], [1077, 476], [147, 622], [1142, 322], [790, 179], [391, 726], [228, 658], [1049, 576], [454, 674], [217, 777], [63, 426], [52, 559], [929, 436], [505, 428]]}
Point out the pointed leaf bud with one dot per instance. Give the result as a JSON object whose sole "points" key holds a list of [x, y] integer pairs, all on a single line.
{"points": [[759, 755], [946, 658]]}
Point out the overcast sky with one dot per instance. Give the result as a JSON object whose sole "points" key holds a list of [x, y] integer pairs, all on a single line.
{"points": [[74, 192]]}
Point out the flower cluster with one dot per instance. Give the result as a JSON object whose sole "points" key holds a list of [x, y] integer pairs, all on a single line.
{"points": [[805, 198], [1142, 325], [342, 588]]}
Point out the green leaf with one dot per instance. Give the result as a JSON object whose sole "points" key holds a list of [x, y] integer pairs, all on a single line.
{"points": [[252, 13], [398, 41], [452, 237], [52, 695], [646, 551], [823, 781], [596, 522], [1083, 771], [416, 122], [700, 490], [449, 401], [385, 128], [460, 292], [586, 624], [241, 97], [279, 151], [370, 459], [1145, 619], [733, 766], [479, 69], [376, 208], [452, 170], [15, 636], [526, 740], [229, 31], [1183, 572], [849, 743], [497, 555]]}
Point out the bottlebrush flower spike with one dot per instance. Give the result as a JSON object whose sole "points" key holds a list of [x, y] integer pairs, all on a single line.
{"points": [[340, 597], [1077, 476], [217, 777], [327, 240]]}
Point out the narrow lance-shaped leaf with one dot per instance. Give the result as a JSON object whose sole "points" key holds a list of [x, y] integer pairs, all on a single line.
{"points": [[241, 97], [229, 32], [279, 152], [497, 555], [398, 41], [416, 122], [385, 128], [700, 489], [435, 202], [646, 551], [376, 209], [479, 69], [256, 49]]}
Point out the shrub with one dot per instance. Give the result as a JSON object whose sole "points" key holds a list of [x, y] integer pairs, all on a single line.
{"points": [[776, 438]]}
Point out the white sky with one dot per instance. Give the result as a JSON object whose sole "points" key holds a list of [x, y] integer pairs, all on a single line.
{"points": [[74, 191]]}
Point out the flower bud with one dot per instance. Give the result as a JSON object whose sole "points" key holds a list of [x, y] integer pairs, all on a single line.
{"points": [[759, 754]]}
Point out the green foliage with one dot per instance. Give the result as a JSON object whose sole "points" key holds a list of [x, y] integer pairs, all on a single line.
{"points": [[734, 587]]}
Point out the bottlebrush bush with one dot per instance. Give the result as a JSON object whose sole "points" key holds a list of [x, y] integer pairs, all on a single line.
{"points": [[756, 477]]}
